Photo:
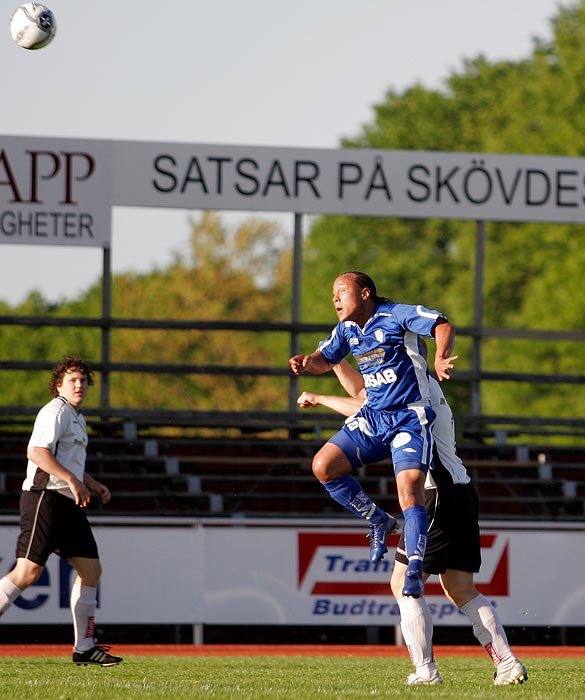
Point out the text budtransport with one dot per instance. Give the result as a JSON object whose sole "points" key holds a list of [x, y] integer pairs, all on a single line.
{"points": [[370, 607]]}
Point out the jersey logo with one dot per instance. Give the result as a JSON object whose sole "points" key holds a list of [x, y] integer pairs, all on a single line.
{"points": [[379, 335], [370, 358], [374, 380]]}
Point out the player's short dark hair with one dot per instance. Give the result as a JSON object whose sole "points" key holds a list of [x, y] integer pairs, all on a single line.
{"points": [[364, 281], [71, 363]]}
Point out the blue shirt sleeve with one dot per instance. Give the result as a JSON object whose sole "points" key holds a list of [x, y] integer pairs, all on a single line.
{"points": [[417, 319], [336, 347]]}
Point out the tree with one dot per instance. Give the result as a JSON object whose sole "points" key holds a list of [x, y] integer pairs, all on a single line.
{"points": [[531, 106], [227, 275]]}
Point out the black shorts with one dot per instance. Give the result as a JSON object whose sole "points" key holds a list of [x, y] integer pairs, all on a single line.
{"points": [[51, 522], [453, 540]]}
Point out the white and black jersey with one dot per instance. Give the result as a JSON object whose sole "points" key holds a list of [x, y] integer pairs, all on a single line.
{"points": [[61, 429], [453, 538], [444, 439]]}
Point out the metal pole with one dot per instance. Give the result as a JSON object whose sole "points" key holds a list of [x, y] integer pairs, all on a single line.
{"points": [[106, 316], [296, 305], [477, 318]]}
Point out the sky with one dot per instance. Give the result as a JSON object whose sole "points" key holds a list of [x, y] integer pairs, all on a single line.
{"points": [[262, 72]]}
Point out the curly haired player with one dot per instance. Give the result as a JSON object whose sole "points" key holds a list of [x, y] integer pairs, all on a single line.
{"points": [[52, 517]]}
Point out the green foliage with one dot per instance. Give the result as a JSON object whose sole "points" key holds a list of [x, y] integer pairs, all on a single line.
{"points": [[226, 278], [532, 271], [228, 275]]}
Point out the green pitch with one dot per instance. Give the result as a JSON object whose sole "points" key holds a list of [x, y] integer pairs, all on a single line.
{"points": [[277, 678]]}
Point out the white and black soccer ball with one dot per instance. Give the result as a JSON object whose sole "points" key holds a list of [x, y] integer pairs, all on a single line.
{"points": [[33, 25]]}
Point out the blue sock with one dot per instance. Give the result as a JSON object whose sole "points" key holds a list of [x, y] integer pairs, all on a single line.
{"points": [[416, 525], [348, 493]]}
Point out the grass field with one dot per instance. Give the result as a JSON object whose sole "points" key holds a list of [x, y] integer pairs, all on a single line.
{"points": [[277, 678]]}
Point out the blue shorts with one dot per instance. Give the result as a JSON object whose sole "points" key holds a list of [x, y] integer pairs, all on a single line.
{"points": [[404, 436]]}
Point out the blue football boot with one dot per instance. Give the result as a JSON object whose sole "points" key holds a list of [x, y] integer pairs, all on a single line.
{"points": [[413, 584], [381, 526]]}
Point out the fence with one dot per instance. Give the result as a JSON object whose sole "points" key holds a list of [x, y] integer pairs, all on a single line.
{"points": [[472, 422]]}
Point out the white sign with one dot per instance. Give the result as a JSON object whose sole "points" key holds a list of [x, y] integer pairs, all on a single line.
{"points": [[272, 574], [55, 191], [150, 576], [324, 577], [60, 191], [409, 184]]}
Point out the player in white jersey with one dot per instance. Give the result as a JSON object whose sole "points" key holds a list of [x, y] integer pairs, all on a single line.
{"points": [[453, 543], [383, 337], [55, 492]]}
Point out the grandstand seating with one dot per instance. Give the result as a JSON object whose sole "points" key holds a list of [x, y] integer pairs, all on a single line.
{"points": [[269, 475]]}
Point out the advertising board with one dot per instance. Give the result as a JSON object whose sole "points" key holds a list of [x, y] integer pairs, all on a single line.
{"points": [[274, 574]]}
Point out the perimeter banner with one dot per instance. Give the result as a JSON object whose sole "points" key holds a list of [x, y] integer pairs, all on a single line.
{"points": [[61, 191], [353, 182], [279, 575], [150, 576], [324, 577], [55, 191]]}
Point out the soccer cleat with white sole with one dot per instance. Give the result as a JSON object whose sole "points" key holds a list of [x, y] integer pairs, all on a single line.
{"points": [[97, 655], [415, 679], [512, 676], [379, 532]]}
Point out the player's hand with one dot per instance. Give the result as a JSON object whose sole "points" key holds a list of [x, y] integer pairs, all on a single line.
{"points": [[299, 363], [80, 492], [443, 366], [102, 491], [307, 399]]}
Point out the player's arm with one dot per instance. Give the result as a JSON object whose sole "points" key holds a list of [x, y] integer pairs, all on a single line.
{"points": [[314, 364], [97, 487], [353, 384], [444, 335], [345, 405], [45, 460], [350, 379]]}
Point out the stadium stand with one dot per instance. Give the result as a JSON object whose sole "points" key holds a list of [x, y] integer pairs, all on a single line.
{"points": [[268, 474]]}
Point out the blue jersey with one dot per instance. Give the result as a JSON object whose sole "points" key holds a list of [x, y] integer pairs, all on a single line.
{"points": [[388, 354]]}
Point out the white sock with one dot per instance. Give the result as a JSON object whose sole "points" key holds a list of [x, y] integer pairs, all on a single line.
{"points": [[489, 630], [83, 606], [8, 594], [416, 624]]}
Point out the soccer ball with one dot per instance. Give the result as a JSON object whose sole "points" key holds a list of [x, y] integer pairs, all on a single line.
{"points": [[32, 25]]}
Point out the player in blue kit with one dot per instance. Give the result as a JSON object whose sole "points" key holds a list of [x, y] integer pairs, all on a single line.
{"points": [[383, 338], [453, 549]]}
